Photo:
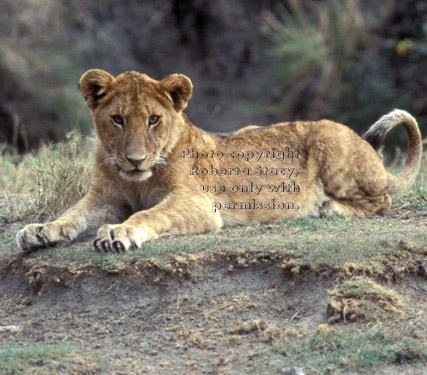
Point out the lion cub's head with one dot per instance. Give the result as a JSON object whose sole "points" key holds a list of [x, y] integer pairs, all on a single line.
{"points": [[137, 118]]}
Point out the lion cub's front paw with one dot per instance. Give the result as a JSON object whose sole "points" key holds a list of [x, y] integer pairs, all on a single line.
{"points": [[37, 236], [119, 238]]}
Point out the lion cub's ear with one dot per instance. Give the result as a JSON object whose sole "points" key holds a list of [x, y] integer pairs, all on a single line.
{"points": [[94, 84], [179, 88]]}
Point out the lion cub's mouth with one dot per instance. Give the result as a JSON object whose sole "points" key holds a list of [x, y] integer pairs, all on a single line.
{"points": [[136, 174]]}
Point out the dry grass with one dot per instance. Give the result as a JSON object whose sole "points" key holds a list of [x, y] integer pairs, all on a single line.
{"points": [[360, 298], [48, 181], [63, 172]]}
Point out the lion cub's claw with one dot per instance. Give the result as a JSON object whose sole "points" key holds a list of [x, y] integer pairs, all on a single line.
{"points": [[119, 238]]}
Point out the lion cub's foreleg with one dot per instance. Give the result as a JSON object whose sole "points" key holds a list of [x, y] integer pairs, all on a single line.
{"points": [[179, 213], [88, 214]]}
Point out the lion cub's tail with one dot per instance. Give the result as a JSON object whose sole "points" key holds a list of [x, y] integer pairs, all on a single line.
{"points": [[375, 136]]}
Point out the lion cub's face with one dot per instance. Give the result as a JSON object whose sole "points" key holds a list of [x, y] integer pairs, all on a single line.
{"points": [[137, 119]]}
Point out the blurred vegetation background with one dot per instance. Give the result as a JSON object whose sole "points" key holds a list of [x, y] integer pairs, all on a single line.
{"points": [[251, 61]]}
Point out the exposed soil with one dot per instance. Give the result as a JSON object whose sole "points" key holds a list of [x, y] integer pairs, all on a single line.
{"points": [[212, 322], [209, 323]]}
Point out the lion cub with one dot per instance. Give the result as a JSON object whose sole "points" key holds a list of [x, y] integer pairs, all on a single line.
{"points": [[156, 174]]}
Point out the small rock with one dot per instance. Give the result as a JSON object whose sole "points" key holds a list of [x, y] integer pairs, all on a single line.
{"points": [[292, 371], [12, 329]]}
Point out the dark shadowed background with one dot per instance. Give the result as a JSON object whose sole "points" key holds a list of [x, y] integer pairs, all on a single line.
{"points": [[251, 61]]}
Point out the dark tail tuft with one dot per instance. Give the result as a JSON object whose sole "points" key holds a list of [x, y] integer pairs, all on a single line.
{"points": [[375, 138]]}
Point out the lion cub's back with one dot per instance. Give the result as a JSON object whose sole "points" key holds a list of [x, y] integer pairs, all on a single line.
{"points": [[265, 174]]}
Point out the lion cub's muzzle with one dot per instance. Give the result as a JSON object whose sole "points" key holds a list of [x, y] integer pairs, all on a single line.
{"points": [[134, 167], [136, 160], [133, 162]]}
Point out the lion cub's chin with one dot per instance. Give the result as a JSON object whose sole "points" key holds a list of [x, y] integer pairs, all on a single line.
{"points": [[136, 176]]}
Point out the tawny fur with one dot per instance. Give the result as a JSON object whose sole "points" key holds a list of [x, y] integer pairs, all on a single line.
{"points": [[146, 184]]}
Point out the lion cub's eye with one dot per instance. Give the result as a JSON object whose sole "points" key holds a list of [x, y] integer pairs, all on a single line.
{"points": [[118, 120], [153, 120]]}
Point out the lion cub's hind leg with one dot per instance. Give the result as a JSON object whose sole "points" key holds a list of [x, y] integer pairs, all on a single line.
{"points": [[366, 206], [356, 183]]}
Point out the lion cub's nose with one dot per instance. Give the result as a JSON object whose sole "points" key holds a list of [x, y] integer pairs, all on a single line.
{"points": [[136, 159]]}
